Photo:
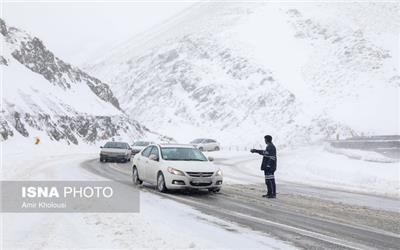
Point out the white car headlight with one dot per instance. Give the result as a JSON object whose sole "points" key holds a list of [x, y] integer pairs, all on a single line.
{"points": [[219, 172], [175, 171]]}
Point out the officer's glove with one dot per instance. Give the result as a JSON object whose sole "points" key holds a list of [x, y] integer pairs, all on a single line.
{"points": [[252, 150]]}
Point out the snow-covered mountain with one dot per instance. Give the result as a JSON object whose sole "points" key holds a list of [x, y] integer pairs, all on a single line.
{"points": [[45, 96], [235, 71]]}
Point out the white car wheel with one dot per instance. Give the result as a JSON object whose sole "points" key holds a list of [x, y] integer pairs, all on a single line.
{"points": [[161, 183], [135, 177]]}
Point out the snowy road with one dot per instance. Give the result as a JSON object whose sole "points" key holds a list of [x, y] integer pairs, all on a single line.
{"points": [[308, 217]]}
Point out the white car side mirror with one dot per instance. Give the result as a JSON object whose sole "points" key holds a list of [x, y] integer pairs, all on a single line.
{"points": [[153, 157], [210, 158]]}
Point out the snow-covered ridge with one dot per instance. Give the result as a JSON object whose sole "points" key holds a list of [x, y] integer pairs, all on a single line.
{"points": [[45, 96], [234, 71], [32, 53]]}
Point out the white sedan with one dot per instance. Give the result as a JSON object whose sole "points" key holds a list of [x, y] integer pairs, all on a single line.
{"points": [[206, 144], [173, 166]]}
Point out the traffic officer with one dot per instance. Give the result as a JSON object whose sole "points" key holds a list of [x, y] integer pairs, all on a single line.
{"points": [[268, 165]]}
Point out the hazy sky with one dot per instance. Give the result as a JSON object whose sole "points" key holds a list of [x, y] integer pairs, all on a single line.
{"points": [[75, 30]]}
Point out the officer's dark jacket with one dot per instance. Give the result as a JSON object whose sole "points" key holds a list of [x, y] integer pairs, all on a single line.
{"points": [[269, 160]]}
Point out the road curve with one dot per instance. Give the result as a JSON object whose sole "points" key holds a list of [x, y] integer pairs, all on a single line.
{"points": [[306, 222]]}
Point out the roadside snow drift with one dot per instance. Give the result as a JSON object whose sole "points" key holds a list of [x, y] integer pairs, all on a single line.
{"points": [[318, 166]]}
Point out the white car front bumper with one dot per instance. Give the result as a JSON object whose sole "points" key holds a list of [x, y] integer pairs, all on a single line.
{"points": [[190, 182]]}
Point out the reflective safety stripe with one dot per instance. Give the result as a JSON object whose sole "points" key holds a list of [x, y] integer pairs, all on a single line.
{"points": [[269, 177], [270, 157]]}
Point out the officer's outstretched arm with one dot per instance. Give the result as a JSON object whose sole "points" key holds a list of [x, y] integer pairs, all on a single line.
{"points": [[257, 151]]}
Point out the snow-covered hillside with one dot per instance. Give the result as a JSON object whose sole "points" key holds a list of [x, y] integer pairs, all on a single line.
{"points": [[44, 96], [235, 71]]}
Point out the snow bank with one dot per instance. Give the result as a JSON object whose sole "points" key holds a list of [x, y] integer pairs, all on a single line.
{"points": [[314, 165], [361, 155]]}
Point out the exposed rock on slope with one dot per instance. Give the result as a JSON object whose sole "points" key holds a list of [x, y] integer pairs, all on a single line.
{"points": [[44, 95]]}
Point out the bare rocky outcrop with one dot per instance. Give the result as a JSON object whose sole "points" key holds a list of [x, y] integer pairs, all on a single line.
{"points": [[64, 123], [70, 129]]}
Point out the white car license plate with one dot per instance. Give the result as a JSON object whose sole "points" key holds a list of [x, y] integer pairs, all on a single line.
{"points": [[201, 180]]}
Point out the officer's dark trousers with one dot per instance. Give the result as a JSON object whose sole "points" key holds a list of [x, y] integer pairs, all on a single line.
{"points": [[270, 182]]}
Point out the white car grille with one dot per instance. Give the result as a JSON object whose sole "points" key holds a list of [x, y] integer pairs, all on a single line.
{"points": [[200, 174]]}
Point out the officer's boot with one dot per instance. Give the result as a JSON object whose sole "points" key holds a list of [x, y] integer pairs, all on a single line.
{"points": [[267, 183], [273, 186], [269, 186]]}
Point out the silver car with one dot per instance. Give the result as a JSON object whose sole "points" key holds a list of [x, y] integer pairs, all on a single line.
{"points": [[204, 144], [115, 151]]}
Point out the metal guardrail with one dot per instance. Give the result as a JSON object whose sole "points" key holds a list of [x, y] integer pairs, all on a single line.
{"points": [[365, 144], [387, 145], [242, 147]]}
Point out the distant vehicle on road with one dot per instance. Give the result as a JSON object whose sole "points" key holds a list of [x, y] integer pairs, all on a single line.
{"points": [[139, 145], [174, 166], [206, 144], [115, 151]]}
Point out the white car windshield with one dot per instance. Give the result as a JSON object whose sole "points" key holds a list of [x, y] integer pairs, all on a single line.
{"points": [[182, 154]]}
